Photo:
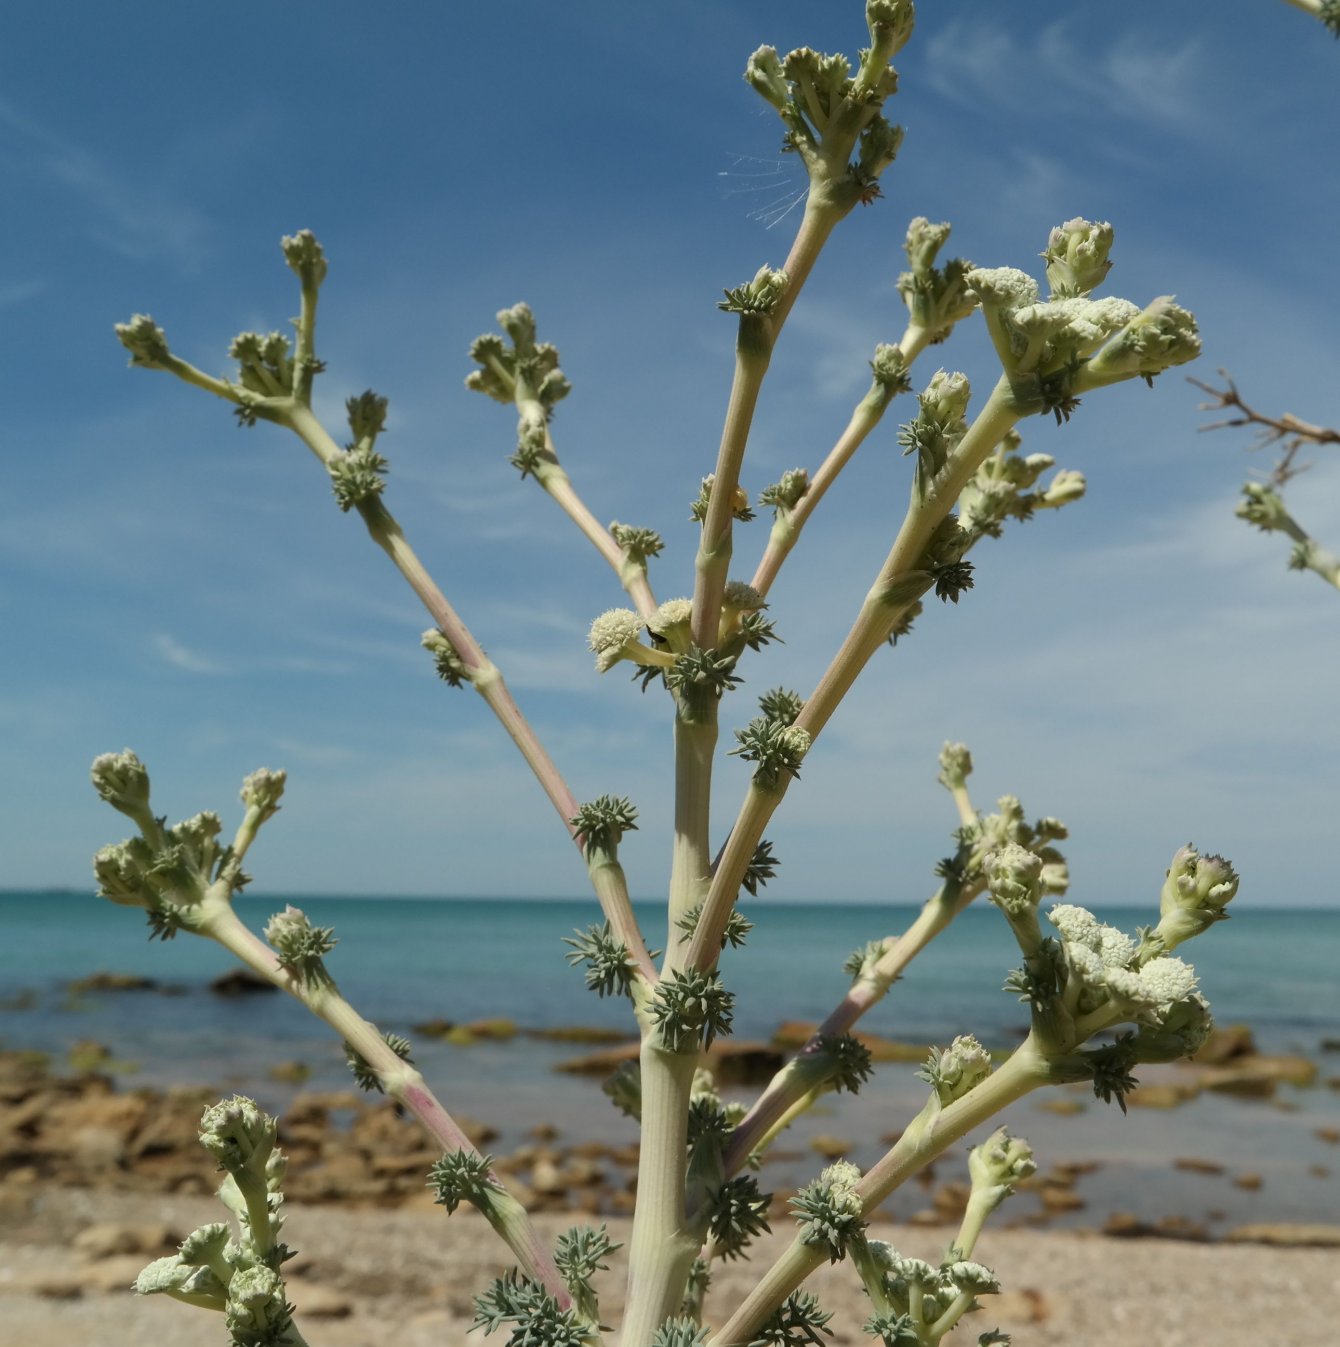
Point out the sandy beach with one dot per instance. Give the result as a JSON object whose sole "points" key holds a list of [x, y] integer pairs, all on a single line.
{"points": [[363, 1278], [96, 1181]]}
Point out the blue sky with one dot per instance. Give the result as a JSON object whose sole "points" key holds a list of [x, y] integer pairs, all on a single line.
{"points": [[1141, 664]]}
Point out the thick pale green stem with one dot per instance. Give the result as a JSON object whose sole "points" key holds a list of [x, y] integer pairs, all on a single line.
{"points": [[1314, 556], [758, 807], [867, 415], [754, 349], [714, 548], [930, 1134], [878, 615], [663, 1247], [400, 1080], [691, 862]]}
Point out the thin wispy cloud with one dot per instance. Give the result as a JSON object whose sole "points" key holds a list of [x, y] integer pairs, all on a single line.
{"points": [[20, 292], [1135, 78], [182, 657], [136, 220]]}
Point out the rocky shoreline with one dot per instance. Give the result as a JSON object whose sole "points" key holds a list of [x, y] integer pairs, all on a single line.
{"points": [[80, 1130]]}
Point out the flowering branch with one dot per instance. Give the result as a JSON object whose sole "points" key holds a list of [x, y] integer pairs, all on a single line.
{"points": [[185, 881], [1263, 503], [274, 385], [524, 373]]}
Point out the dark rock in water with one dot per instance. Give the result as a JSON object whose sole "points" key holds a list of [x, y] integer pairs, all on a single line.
{"points": [[831, 1147], [743, 1063], [794, 1034], [1225, 1043], [1249, 1183], [603, 1062], [435, 1028], [578, 1033], [1330, 1045], [1179, 1227], [240, 982], [111, 982], [1122, 1225], [1286, 1235], [290, 1073], [1194, 1166]]}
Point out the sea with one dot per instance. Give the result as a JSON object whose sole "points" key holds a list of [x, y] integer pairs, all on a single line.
{"points": [[405, 961]]}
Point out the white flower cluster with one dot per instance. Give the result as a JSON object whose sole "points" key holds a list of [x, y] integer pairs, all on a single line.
{"points": [[1101, 957], [611, 633]]}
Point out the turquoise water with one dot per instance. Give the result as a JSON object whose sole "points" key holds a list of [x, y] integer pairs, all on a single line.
{"points": [[402, 961]]}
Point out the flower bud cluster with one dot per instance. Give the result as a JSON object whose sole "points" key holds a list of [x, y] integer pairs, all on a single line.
{"points": [[516, 369], [168, 870], [463, 1176], [778, 750], [937, 428], [365, 1075], [450, 666], [610, 968], [691, 1007], [992, 832], [146, 342], [614, 636], [740, 510], [1195, 893], [1096, 977], [787, 493], [830, 1211], [955, 766], [1076, 257], [1004, 488], [264, 363], [638, 544], [756, 297], [305, 256], [936, 297], [924, 1302], [236, 1271], [833, 119], [301, 946], [951, 1072], [1053, 350], [998, 1164]]}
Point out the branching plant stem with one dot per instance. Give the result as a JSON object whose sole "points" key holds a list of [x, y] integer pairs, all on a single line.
{"points": [[932, 1132], [400, 1081], [788, 1088], [887, 600], [866, 416], [659, 1252], [484, 675], [554, 479]]}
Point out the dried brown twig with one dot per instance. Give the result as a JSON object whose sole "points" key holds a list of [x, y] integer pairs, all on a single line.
{"points": [[1287, 429]]}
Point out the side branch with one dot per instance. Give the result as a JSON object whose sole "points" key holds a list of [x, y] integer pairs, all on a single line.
{"points": [[400, 1080], [788, 1087]]}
